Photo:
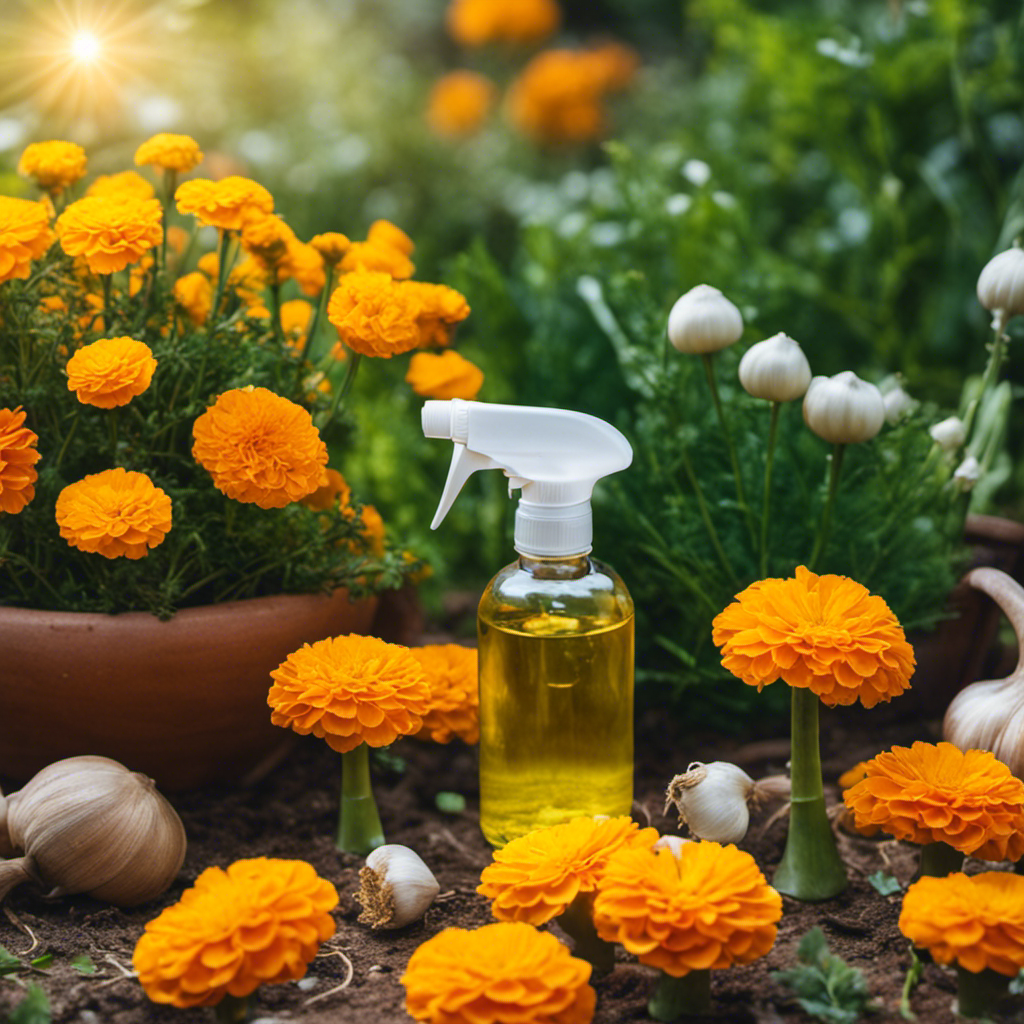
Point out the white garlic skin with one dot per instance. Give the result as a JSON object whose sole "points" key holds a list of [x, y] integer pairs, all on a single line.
{"points": [[673, 843], [775, 369], [1001, 283], [704, 321], [712, 800], [967, 474], [844, 409], [397, 887], [89, 825], [949, 434], [897, 404]]}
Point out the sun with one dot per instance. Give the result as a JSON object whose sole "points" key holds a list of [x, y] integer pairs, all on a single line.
{"points": [[85, 46]]}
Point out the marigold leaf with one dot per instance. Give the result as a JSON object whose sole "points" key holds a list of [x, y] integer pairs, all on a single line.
{"points": [[8, 962], [33, 1009], [884, 884], [83, 964], [450, 803], [42, 962]]}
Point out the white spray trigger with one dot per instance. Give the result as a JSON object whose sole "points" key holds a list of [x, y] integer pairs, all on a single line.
{"points": [[465, 462]]}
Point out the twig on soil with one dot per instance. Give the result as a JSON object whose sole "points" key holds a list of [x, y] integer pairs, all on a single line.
{"points": [[337, 988], [466, 852], [22, 927], [780, 813], [445, 896], [111, 959]]}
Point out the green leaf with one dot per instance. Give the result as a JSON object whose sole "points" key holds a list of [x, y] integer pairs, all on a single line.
{"points": [[910, 983], [384, 757], [42, 962], [8, 962], [883, 883], [450, 803], [83, 964], [33, 1009]]}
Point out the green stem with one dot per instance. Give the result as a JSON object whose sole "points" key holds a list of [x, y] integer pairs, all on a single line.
{"points": [[67, 439], [773, 431], [577, 921], [108, 318], [113, 435], [992, 368], [170, 179], [222, 273], [321, 309], [939, 860], [275, 312], [233, 1009], [821, 541], [346, 386], [705, 516], [811, 868], [978, 995], [359, 827], [688, 996]]}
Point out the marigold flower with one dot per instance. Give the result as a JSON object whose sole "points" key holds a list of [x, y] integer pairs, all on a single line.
{"points": [[18, 456], [977, 921], [332, 246], [376, 257], [557, 98], [223, 204], [25, 235], [177, 239], [375, 315], [825, 633], [372, 530], [123, 185], [111, 372], [114, 513], [476, 22], [613, 65], [451, 671], [194, 293], [296, 315], [209, 264], [459, 102], [169, 152], [335, 492], [848, 779], [349, 690], [305, 266], [705, 906], [383, 232], [932, 793], [442, 309], [495, 974], [535, 877], [54, 165], [260, 922], [445, 375], [110, 232], [260, 448], [266, 237], [248, 280]]}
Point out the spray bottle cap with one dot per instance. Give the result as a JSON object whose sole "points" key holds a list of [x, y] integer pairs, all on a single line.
{"points": [[555, 456]]}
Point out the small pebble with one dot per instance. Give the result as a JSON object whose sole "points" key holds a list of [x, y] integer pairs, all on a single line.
{"points": [[307, 983]]}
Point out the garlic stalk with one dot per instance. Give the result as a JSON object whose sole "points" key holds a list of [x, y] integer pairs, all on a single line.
{"points": [[89, 825], [396, 887]]}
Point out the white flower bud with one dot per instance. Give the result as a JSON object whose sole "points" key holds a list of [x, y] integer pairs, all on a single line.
{"points": [[949, 434], [967, 474], [704, 321], [1001, 283], [775, 369], [843, 409], [897, 404]]}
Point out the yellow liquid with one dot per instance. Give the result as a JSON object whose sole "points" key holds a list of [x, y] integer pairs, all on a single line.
{"points": [[556, 718]]}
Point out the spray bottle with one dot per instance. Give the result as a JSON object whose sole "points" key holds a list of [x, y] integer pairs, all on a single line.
{"points": [[555, 626]]}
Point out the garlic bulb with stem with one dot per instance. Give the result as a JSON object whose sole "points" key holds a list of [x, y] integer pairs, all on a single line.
{"points": [[704, 321], [1001, 283], [396, 887], [949, 434], [89, 825]]}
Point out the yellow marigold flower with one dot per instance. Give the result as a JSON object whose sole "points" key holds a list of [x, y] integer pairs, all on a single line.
{"points": [[377, 257], [111, 372], [223, 204], [451, 671], [535, 877], [305, 266], [209, 264], [496, 974], [557, 98], [335, 492], [110, 233], [825, 633], [476, 22], [446, 375], [296, 315], [194, 293], [266, 237], [114, 513], [260, 448], [931, 793], [177, 239], [53, 304], [332, 246], [707, 906], [125, 184], [613, 65], [847, 780], [25, 235], [349, 690], [459, 102], [248, 280], [169, 152], [373, 530], [442, 309], [260, 922], [383, 232], [375, 315], [18, 456], [54, 165]]}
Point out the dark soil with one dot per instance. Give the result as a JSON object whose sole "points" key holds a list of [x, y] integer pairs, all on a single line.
{"points": [[292, 814]]}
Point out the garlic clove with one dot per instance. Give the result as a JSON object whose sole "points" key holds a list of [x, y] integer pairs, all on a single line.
{"points": [[775, 369], [396, 887], [704, 321], [844, 409], [712, 800], [1001, 283]]}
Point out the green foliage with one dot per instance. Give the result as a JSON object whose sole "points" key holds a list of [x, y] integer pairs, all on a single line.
{"points": [[450, 803], [83, 964], [9, 963], [884, 884], [825, 985], [33, 1009]]}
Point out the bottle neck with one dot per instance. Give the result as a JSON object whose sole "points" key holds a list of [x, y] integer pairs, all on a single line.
{"points": [[569, 567], [550, 530]]}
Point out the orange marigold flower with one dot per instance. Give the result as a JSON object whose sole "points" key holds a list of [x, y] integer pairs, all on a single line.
{"points": [[349, 690], [169, 152], [305, 266], [111, 372], [177, 239], [704, 906], [383, 232], [848, 779], [25, 235], [475, 22], [18, 456], [442, 309], [223, 204], [451, 671], [372, 530], [296, 315], [209, 264], [824, 633], [332, 246], [375, 315], [335, 492], [375, 256], [260, 922], [110, 232], [978, 920], [125, 184], [496, 974], [613, 65], [248, 280], [445, 375], [194, 293], [557, 98], [54, 165], [459, 102], [260, 448], [535, 877], [932, 793], [267, 238], [114, 513]]}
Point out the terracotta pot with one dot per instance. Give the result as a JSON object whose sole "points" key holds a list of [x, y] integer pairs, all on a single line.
{"points": [[184, 701]]}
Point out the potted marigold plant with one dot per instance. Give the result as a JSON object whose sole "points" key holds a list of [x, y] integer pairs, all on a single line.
{"points": [[169, 527]]}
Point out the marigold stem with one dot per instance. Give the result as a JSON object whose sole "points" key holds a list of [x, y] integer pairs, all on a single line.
{"points": [[321, 308], [978, 995], [939, 859], [821, 541], [234, 1009], [346, 386], [107, 318], [673, 998], [359, 827], [705, 516], [811, 868], [222, 273], [773, 432], [577, 921]]}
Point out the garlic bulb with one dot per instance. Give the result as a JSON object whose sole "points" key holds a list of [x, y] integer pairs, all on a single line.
{"points": [[949, 434], [396, 887], [775, 369], [712, 800], [967, 474], [704, 321], [89, 825], [1001, 283], [897, 404], [990, 715], [844, 409]]}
